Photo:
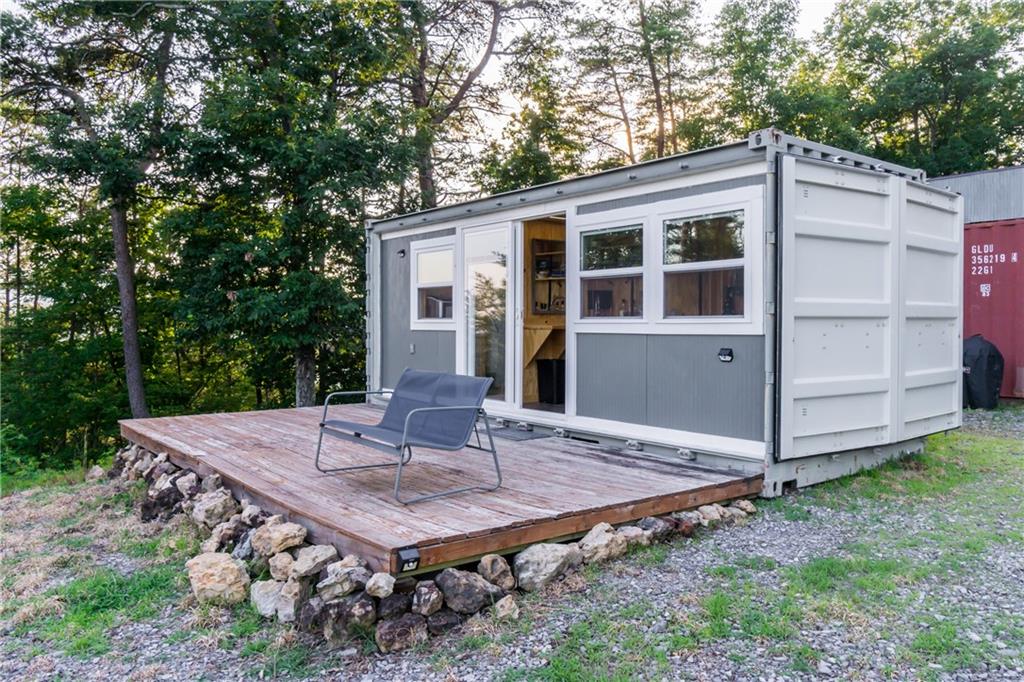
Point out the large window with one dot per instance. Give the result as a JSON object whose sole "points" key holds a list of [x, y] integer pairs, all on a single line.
{"points": [[433, 283], [611, 272], [702, 264]]}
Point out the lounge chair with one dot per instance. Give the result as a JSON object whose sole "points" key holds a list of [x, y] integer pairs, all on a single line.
{"points": [[427, 409]]}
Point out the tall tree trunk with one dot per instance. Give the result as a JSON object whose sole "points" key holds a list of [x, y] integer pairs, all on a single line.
{"points": [[672, 134], [7, 286], [627, 126], [129, 313], [305, 377], [424, 145], [17, 275], [659, 104]]}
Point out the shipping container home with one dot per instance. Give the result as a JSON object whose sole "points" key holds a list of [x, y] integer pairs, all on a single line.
{"points": [[994, 263], [771, 306]]}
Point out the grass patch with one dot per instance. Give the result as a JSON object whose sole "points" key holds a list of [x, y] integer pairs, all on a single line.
{"points": [[291, 660], [756, 562], [741, 610], [940, 643], [949, 463], [607, 647], [651, 555], [94, 603]]}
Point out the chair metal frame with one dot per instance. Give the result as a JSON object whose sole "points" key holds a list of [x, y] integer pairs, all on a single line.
{"points": [[403, 450]]}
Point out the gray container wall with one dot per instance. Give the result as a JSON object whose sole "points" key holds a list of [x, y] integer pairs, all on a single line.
{"points": [[434, 350], [988, 195], [673, 382]]}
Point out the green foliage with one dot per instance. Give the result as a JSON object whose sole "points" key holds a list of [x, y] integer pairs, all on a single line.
{"points": [[544, 141], [284, 157], [932, 83]]}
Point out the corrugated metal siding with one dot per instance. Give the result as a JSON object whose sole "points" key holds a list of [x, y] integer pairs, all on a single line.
{"points": [[434, 350], [674, 382], [994, 294], [988, 195]]}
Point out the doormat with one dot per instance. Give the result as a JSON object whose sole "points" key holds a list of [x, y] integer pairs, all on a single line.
{"points": [[515, 434]]}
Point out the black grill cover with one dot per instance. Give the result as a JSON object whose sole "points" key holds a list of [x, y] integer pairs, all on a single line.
{"points": [[983, 373]]}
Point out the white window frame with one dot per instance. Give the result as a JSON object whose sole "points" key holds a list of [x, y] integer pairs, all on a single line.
{"points": [[749, 200], [631, 220], [698, 266], [651, 216], [426, 246]]}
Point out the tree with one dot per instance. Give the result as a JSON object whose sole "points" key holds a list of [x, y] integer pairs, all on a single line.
{"points": [[543, 142], [755, 53], [932, 83], [642, 62], [292, 140], [99, 79], [453, 41]]}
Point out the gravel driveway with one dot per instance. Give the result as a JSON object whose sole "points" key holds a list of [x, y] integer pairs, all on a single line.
{"points": [[912, 572]]}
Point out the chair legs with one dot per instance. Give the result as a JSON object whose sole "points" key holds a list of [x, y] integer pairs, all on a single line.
{"points": [[452, 491], [405, 455]]}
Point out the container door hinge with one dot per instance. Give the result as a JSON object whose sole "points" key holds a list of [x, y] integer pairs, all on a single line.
{"points": [[769, 448], [769, 378], [769, 237], [769, 307]]}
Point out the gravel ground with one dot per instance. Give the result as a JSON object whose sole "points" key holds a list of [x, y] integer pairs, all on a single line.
{"points": [[915, 572], [1007, 421]]}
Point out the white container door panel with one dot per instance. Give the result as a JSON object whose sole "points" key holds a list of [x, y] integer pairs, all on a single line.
{"points": [[930, 310], [838, 310]]}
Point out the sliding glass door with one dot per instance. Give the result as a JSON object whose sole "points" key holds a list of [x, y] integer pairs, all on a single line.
{"points": [[486, 340]]}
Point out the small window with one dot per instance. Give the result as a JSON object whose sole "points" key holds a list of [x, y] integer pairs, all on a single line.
{"points": [[718, 236], [716, 292], [613, 296], [611, 271], [618, 247], [433, 282], [703, 265]]}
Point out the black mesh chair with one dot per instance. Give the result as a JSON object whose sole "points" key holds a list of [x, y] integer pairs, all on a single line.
{"points": [[426, 409]]}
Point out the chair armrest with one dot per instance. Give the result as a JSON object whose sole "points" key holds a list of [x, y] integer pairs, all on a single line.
{"points": [[445, 408], [327, 400]]}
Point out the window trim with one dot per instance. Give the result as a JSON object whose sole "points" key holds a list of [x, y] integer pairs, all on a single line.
{"points": [[751, 200], [604, 273], [417, 247], [704, 265]]}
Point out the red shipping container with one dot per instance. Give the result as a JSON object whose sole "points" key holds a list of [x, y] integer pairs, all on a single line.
{"points": [[994, 293]]}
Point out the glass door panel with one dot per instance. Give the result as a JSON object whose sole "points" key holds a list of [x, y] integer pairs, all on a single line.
{"points": [[486, 285]]}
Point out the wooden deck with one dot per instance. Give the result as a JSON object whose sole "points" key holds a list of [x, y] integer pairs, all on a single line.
{"points": [[553, 487]]}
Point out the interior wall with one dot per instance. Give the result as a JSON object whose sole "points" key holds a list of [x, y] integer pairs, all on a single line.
{"points": [[543, 333]]}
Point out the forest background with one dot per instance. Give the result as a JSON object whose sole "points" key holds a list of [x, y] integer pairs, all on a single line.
{"points": [[184, 184]]}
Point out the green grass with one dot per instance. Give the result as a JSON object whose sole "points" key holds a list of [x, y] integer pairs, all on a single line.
{"points": [[744, 610], [609, 646], [94, 603], [949, 464], [292, 661], [940, 643], [851, 576], [651, 555]]}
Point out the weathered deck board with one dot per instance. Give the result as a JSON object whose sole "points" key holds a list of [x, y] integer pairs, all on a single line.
{"points": [[552, 487]]}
